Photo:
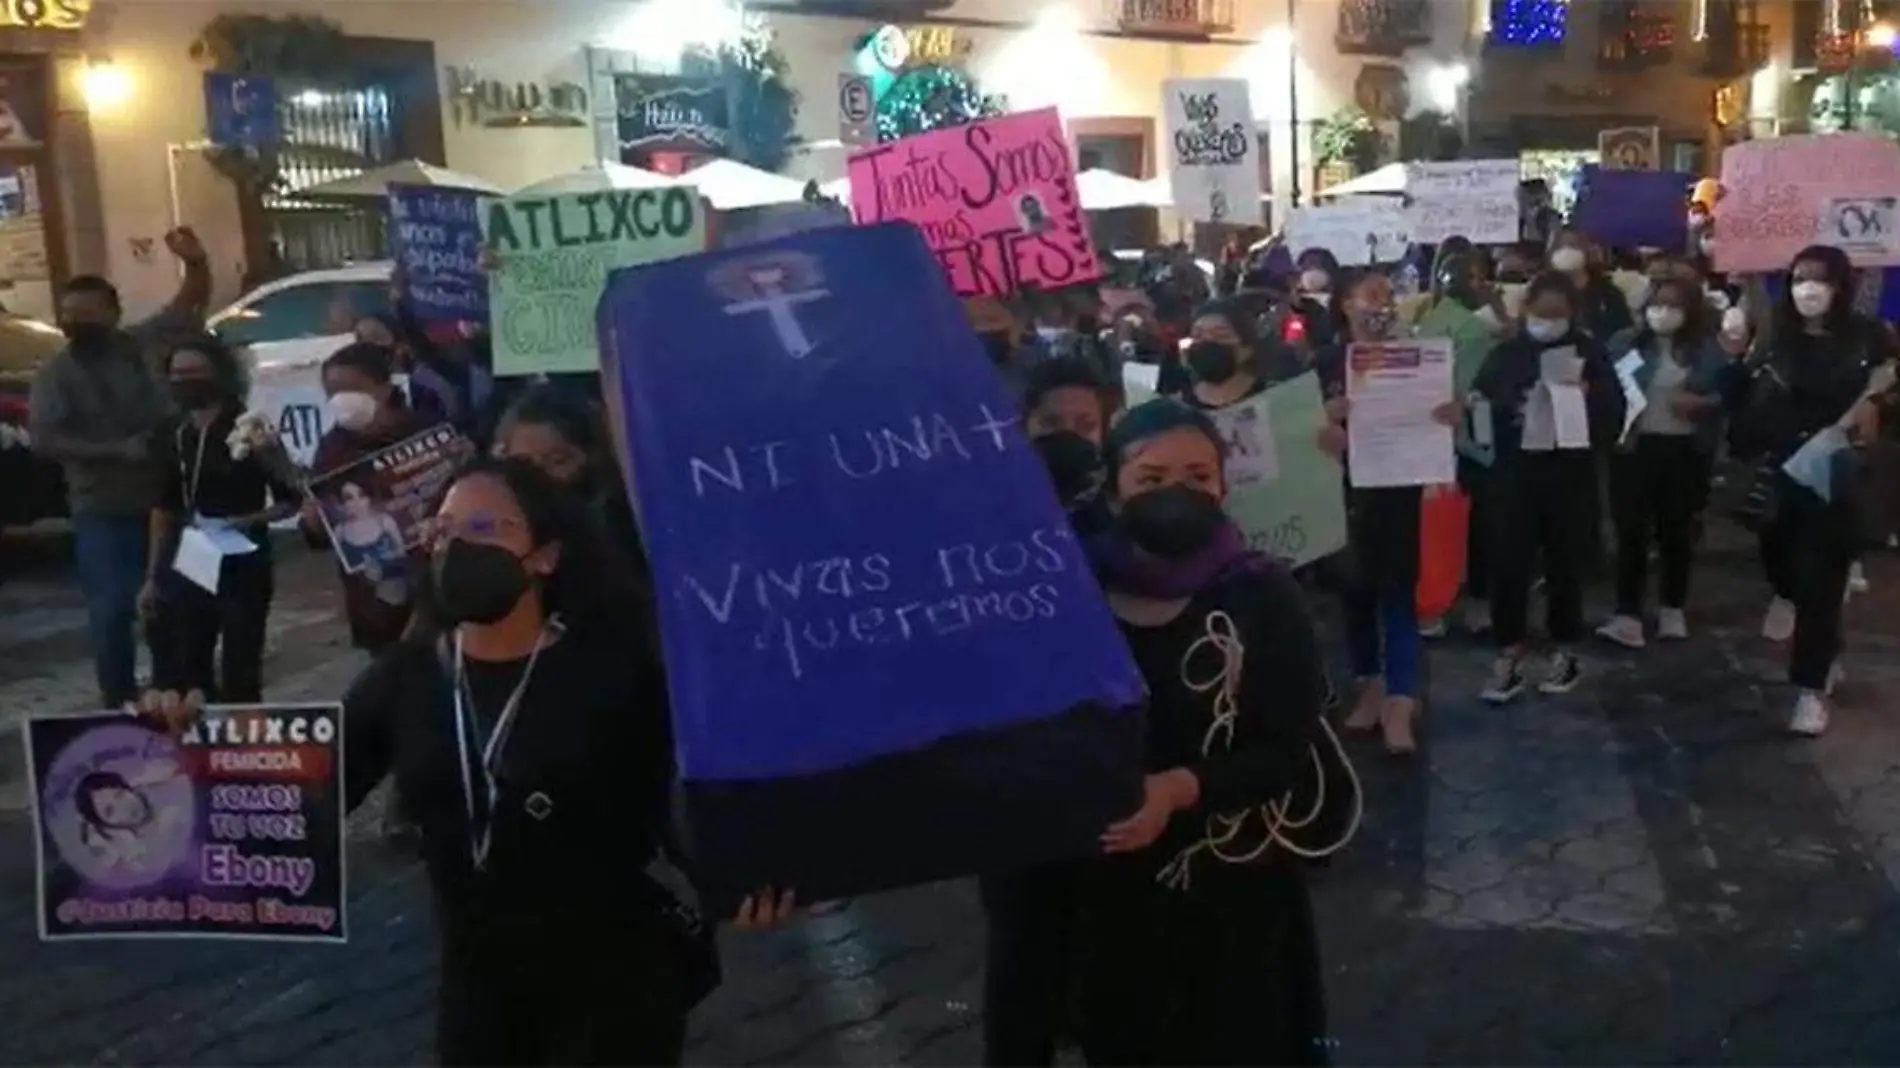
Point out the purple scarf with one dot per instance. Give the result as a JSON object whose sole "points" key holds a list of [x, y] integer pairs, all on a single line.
{"points": [[1126, 569]]}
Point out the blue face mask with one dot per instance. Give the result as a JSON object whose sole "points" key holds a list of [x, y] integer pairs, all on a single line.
{"points": [[1546, 330]]}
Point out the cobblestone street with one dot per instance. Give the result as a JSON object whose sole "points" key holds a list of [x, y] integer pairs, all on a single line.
{"points": [[1645, 871]]}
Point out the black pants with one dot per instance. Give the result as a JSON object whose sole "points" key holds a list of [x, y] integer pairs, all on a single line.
{"points": [[1542, 506], [1807, 556], [506, 1003], [1475, 479], [194, 626], [1030, 974], [1656, 490]]}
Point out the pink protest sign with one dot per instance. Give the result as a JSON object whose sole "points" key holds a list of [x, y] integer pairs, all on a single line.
{"points": [[995, 200], [1780, 195]]}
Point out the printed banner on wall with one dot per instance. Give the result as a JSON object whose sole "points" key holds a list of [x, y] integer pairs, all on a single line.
{"points": [[1630, 148], [874, 612], [995, 200], [1298, 512], [1359, 231], [1475, 198], [435, 237], [1213, 151], [1781, 194], [233, 830], [552, 257]]}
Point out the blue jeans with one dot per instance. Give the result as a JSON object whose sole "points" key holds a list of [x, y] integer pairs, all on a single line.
{"points": [[1382, 636], [110, 554]]}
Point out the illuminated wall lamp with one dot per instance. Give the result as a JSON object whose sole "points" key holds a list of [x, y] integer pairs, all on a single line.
{"points": [[105, 85]]}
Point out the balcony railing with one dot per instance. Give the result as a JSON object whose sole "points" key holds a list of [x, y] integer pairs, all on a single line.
{"points": [[1736, 50], [1633, 39], [1171, 18]]}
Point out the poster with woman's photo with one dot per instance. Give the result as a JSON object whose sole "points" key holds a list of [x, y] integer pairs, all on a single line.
{"points": [[377, 509], [232, 830]]}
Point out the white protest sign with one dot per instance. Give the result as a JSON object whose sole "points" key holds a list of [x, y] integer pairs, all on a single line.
{"points": [[1358, 232], [1213, 150], [1473, 198]]}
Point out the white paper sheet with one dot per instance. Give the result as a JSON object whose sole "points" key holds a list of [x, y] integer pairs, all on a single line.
{"points": [[1483, 429], [1393, 438], [202, 547], [1570, 415], [1634, 400], [1811, 465]]}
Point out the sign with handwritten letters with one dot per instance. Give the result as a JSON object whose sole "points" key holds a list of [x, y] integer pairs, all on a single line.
{"points": [[995, 200], [1359, 231], [553, 255], [1782, 194], [233, 830], [1213, 150], [1298, 513], [873, 609], [435, 237], [1475, 198]]}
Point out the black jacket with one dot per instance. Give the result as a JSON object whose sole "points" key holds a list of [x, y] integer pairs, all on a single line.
{"points": [[1513, 369]]}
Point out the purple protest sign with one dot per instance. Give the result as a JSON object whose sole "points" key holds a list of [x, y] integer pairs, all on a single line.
{"points": [[233, 830], [1635, 209], [435, 237]]}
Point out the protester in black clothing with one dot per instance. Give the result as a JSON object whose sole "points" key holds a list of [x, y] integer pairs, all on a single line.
{"points": [[1028, 969], [1811, 372], [1226, 359], [557, 431], [1196, 934], [210, 482], [1317, 297], [1602, 310], [531, 743], [1067, 411], [1543, 497]]}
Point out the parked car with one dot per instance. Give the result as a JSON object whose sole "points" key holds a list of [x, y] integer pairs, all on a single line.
{"points": [[301, 319], [31, 488]]}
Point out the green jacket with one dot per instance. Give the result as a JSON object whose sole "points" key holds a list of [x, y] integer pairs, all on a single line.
{"points": [[1472, 339]]}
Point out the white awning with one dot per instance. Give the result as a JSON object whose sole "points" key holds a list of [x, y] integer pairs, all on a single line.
{"points": [[596, 177], [376, 183]]}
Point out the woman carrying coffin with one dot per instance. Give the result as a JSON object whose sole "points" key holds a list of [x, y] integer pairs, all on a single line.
{"points": [[536, 758], [1197, 941]]}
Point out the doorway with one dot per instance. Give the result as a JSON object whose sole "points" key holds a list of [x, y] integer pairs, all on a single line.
{"points": [[32, 254]]}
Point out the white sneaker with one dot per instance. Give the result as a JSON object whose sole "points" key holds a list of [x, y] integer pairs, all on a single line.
{"points": [[1432, 628], [1626, 631], [1778, 624], [1810, 715], [1856, 580], [1671, 625], [1562, 675]]}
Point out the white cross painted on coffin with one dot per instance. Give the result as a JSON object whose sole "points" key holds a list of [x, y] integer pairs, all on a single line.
{"points": [[778, 305]]}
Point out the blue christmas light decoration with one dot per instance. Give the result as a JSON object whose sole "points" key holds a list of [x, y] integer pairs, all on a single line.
{"points": [[1529, 23]]}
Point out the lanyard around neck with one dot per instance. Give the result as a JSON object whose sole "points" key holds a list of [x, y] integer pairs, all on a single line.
{"points": [[481, 823], [196, 473]]}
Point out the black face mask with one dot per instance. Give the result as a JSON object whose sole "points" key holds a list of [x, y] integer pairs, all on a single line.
{"points": [[1173, 522], [1212, 362], [998, 347], [474, 583], [86, 335], [193, 394], [1074, 463]]}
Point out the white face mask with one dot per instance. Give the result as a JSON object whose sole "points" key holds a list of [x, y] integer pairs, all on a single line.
{"points": [[1052, 333], [1663, 319], [1568, 259], [1812, 299], [1546, 329], [352, 411], [1706, 244], [1314, 281]]}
